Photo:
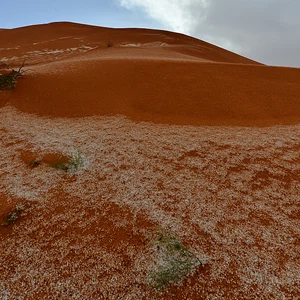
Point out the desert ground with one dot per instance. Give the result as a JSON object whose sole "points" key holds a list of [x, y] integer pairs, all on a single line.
{"points": [[145, 164]]}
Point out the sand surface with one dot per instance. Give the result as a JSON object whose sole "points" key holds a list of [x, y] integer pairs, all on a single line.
{"points": [[171, 134]]}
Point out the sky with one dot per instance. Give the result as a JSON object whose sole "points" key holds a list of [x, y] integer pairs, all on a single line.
{"points": [[264, 30]]}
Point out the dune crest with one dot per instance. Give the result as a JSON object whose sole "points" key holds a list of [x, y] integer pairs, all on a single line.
{"points": [[149, 75]]}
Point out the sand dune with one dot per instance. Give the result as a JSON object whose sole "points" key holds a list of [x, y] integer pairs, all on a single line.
{"points": [[175, 92], [146, 75], [125, 153], [68, 35]]}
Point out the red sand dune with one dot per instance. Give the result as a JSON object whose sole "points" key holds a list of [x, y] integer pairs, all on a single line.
{"points": [[117, 101], [159, 76]]}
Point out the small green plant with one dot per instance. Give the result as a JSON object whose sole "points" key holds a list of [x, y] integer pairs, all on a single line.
{"points": [[178, 261], [12, 216], [34, 163], [73, 164], [8, 81], [60, 164]]}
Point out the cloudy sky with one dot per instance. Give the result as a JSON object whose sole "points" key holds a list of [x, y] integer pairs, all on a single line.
{"points": [[264, 30]]}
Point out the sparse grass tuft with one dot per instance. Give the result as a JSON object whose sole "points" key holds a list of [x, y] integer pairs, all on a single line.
{"points": [[60, 164], [75, 162], [12, 216], [34, 163], [178, 261]]}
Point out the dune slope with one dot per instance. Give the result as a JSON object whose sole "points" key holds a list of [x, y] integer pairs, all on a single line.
{"points": [[146, 75]]}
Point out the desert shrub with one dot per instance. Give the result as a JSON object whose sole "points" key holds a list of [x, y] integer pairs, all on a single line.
{"points": [[8, 80], [177, 261], [12, 216], [73, 164], [34, 163]]}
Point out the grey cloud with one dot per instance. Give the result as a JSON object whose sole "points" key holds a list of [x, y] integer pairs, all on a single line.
{"points": [[264, 30]]}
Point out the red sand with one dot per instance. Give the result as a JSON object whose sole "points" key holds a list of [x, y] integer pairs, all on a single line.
{"points": [[136, 103], [169, 78]]}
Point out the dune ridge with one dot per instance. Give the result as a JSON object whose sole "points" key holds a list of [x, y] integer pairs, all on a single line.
{"points": [[148, 75]]}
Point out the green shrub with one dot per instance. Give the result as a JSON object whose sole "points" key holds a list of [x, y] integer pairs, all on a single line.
{"points": [[12, 216], [177, 263], [9, 81], [34, 163], [73, 164]]}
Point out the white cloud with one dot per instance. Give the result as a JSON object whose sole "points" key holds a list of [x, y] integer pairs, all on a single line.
{"points": [[265, 30], [176, 15]]}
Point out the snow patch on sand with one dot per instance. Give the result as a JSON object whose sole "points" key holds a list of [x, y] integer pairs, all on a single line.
{"points": [[226, 190], [138, 45]]}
